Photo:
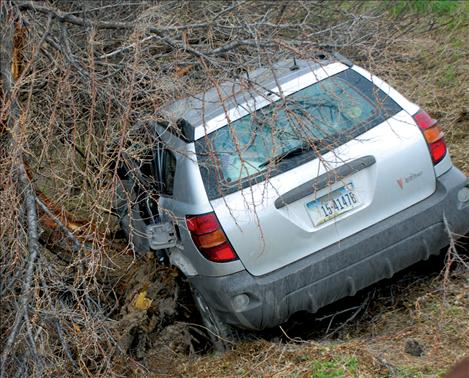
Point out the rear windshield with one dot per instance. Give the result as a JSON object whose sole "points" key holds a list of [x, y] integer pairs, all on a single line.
{"points": [[290, 132]]}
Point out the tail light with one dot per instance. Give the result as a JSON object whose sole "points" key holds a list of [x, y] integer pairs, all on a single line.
{"points": [[433, 135], [209, 238]]}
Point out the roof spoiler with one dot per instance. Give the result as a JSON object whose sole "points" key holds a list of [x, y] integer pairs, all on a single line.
{"points": [[325, 56], [186, 130], [181, 129]]}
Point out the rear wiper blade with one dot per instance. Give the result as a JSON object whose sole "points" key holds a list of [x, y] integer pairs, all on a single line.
{"points": [[287, 154]]}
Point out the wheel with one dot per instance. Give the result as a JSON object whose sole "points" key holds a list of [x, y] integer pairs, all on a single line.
{"points": [[222, 335]]}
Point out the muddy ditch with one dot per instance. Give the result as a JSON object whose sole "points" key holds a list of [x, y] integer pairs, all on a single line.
{"points": [[154, 309]]}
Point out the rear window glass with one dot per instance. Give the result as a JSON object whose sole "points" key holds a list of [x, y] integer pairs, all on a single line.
{"points": [[290, 132]]}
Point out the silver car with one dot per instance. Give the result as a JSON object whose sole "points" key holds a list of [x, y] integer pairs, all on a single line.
{"points": [[293, 186]]}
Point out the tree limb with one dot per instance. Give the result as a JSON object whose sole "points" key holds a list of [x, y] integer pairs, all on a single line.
{"points": [[24, 186], [76, 243]]}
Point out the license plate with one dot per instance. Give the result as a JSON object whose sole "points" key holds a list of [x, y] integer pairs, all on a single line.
{"points": [[333, 204]]}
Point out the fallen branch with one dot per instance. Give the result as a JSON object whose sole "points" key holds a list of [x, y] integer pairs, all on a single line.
{"points": [[357, 309], [77, 245], [24, 185]]}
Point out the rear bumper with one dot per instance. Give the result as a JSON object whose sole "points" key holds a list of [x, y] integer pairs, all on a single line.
{"points": [[342, 268]]}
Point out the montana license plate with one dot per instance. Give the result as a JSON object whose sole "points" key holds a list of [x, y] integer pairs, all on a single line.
{"points": [[333, 204]]}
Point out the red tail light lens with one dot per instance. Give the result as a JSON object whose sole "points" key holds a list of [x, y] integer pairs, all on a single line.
{"points": [[433, 135], [209, 238], [438, 150], [202, 224], [424, 120]]}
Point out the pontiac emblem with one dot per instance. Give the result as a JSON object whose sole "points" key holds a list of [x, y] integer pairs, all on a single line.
{"points": [[406, 180]]}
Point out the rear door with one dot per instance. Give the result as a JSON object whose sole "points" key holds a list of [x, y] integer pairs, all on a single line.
{"points": [[279, 199]]}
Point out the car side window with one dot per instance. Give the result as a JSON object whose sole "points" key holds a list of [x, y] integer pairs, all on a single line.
{"points": [[165, 169], [168, 172]]}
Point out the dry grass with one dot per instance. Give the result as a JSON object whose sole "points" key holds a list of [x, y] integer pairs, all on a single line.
{"points": [[432, 69]]}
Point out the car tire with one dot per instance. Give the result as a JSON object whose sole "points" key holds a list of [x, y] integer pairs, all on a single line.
{"points": [[222, 336]]}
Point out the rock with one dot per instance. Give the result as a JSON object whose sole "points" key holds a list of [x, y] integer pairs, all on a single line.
{"points": [[414, 348]]}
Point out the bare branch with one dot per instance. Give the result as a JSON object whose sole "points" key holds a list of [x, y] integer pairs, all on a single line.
{"points": [[76, 243]]}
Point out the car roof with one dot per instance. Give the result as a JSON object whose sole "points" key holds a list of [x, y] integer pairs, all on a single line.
{"points": [[194, 111]]}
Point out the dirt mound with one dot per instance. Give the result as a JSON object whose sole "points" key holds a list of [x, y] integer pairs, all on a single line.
{"points": [[155, 317]]}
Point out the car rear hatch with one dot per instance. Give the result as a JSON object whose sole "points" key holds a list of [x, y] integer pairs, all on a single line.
{"points": [[312, 168]]}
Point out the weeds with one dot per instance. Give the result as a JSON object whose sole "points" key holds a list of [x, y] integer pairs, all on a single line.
{"points": [[434, 7], [337, 367]]}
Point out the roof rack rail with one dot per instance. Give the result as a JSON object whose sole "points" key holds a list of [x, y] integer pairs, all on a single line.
{"points": [[330, 52], [342, 59]]}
